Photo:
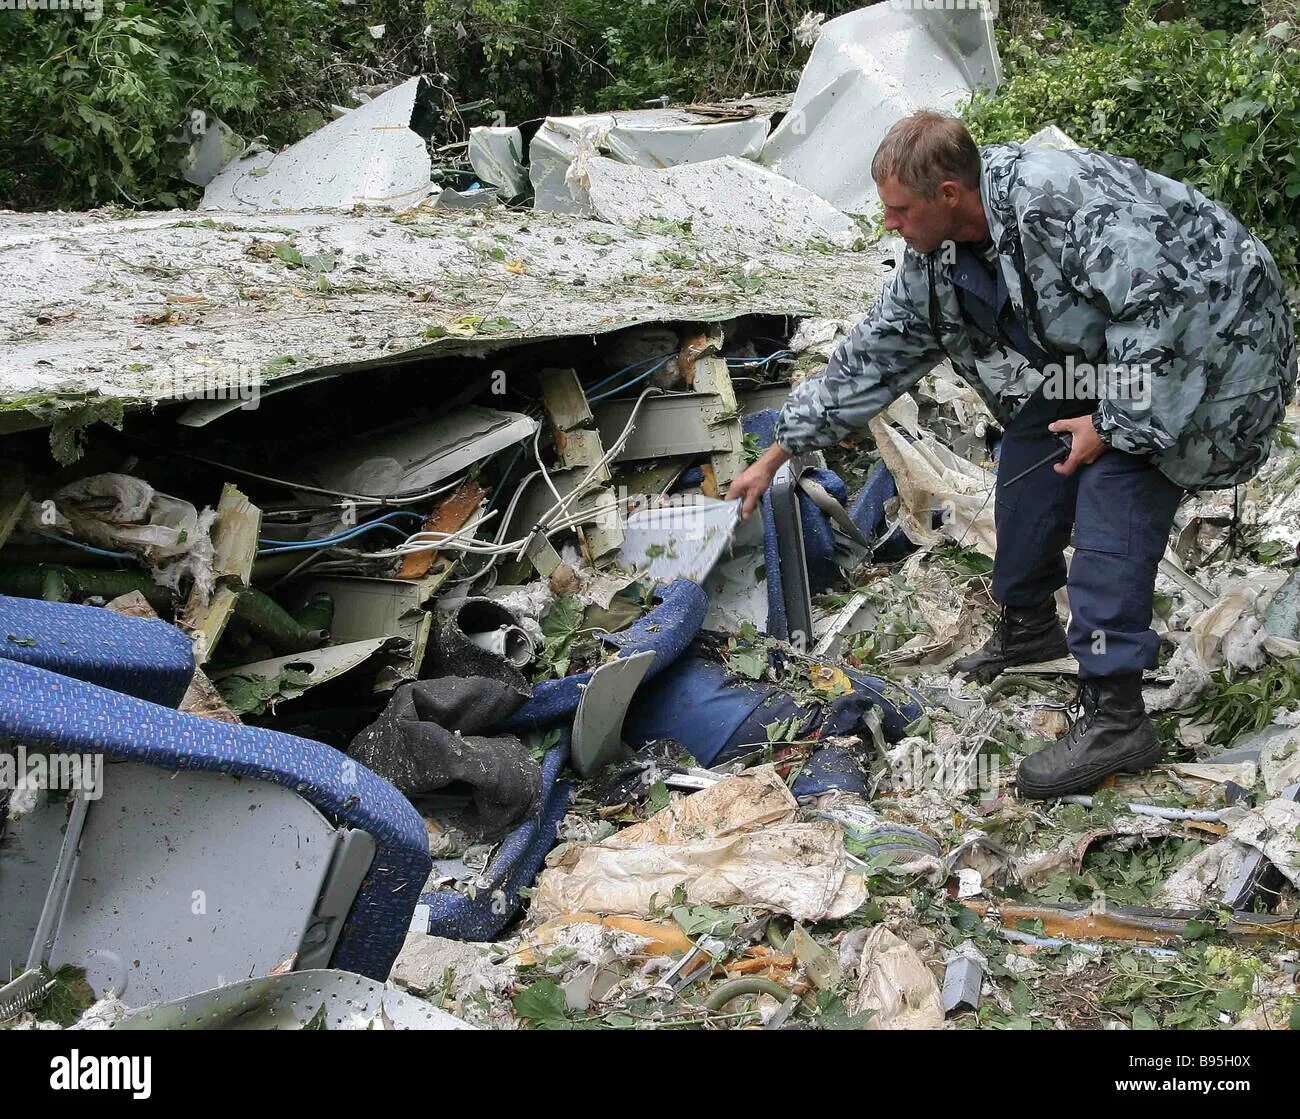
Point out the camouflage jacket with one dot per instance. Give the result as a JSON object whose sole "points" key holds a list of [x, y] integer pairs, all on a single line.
{"points": [[1159, 295]]}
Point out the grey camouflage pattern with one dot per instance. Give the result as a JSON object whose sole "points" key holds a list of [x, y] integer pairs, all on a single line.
{"points": [[1119, 266]]}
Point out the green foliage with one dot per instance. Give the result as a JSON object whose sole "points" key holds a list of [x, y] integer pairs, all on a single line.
{"points": [[1220, 111], [1247, 703], [89, 104]]}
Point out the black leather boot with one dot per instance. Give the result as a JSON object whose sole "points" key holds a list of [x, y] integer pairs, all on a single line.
{"points": [[1111, 734], [1023, 635]]}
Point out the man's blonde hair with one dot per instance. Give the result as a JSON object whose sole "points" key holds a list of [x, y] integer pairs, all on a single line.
{"points": [[926, 149]]}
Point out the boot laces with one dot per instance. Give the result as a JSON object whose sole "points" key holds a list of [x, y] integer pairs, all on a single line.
{"points": [[1082, 710]]}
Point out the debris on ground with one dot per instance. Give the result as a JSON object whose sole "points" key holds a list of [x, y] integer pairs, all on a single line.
{"points": [[435, 648]]}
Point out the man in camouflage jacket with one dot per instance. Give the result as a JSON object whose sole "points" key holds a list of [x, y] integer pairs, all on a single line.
{"points": [[1116, 317]]}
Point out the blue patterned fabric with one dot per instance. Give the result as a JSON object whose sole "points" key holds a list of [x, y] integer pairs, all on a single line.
{"points": [[717, 715], [868, 508], [43, 708], [666, 631], [516, 864], [142, 657]]}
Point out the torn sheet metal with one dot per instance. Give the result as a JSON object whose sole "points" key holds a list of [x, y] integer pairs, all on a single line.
{"points": [[304, 1000], [210, 145], [409, 458], [730, 200], [868, 69], [261, 686], [202, 308], [497, 156], [371, 156], [679, 541], [561, 149], [598, 725], [366, 609]]}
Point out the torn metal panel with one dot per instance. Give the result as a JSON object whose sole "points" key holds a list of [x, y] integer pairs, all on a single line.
{"points": [[302, 1000], [667, 426], [497, 156], [262, 685], [138, 942], [868, 69], [212, 144], [598, 725], [581, 450], [601, 525], [371, 156], [712, 379], [409, 458], [679, 541], [730, 200], [366, 609], [190, 307], [560, 150]]}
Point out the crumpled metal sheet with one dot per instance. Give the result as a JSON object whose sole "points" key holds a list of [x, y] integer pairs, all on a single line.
{"points": [[187, 306], [730, 200], [370, 155], [497, 156], [561, 149], [868, 69], [302, 1000]]}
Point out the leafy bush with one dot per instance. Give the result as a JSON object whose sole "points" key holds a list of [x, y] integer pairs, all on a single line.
{"points": [[1219, 111], [89, 104]]}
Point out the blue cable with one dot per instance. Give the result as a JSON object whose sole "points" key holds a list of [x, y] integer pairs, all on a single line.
{"points": [[628, 384], [86, 547], [324, 541], [628, 369], [344, 533]]}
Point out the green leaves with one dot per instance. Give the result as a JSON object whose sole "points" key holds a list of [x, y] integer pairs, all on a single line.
{"points": [[542, 1006], [1219, 110]]}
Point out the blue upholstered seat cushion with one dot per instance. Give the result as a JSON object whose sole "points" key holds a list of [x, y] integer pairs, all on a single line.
{"points": [[142, 657]]}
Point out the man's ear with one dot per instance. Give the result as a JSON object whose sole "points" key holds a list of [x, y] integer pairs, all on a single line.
{"points": [[950, 192]]}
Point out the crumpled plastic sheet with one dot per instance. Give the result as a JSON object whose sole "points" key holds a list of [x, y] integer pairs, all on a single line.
{"points": [[895, 984], [123, 513], [739, 846], [1230, 634], [932, 479]]}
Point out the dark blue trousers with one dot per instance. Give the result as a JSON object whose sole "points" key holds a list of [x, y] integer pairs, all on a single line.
{"points": [[1120, 508]]}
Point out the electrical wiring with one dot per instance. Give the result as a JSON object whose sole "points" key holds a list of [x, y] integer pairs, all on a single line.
{"points": [[352, 529], [628, 369], [628, 384], [354, 498], [85, 547], [273, 548]]}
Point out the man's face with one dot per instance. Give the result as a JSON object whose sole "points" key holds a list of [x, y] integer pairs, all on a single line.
{"points": [[924, 223]]}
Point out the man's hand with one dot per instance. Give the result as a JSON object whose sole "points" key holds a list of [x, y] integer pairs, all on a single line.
{"points": [[752, 482], [1085, 444]]}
